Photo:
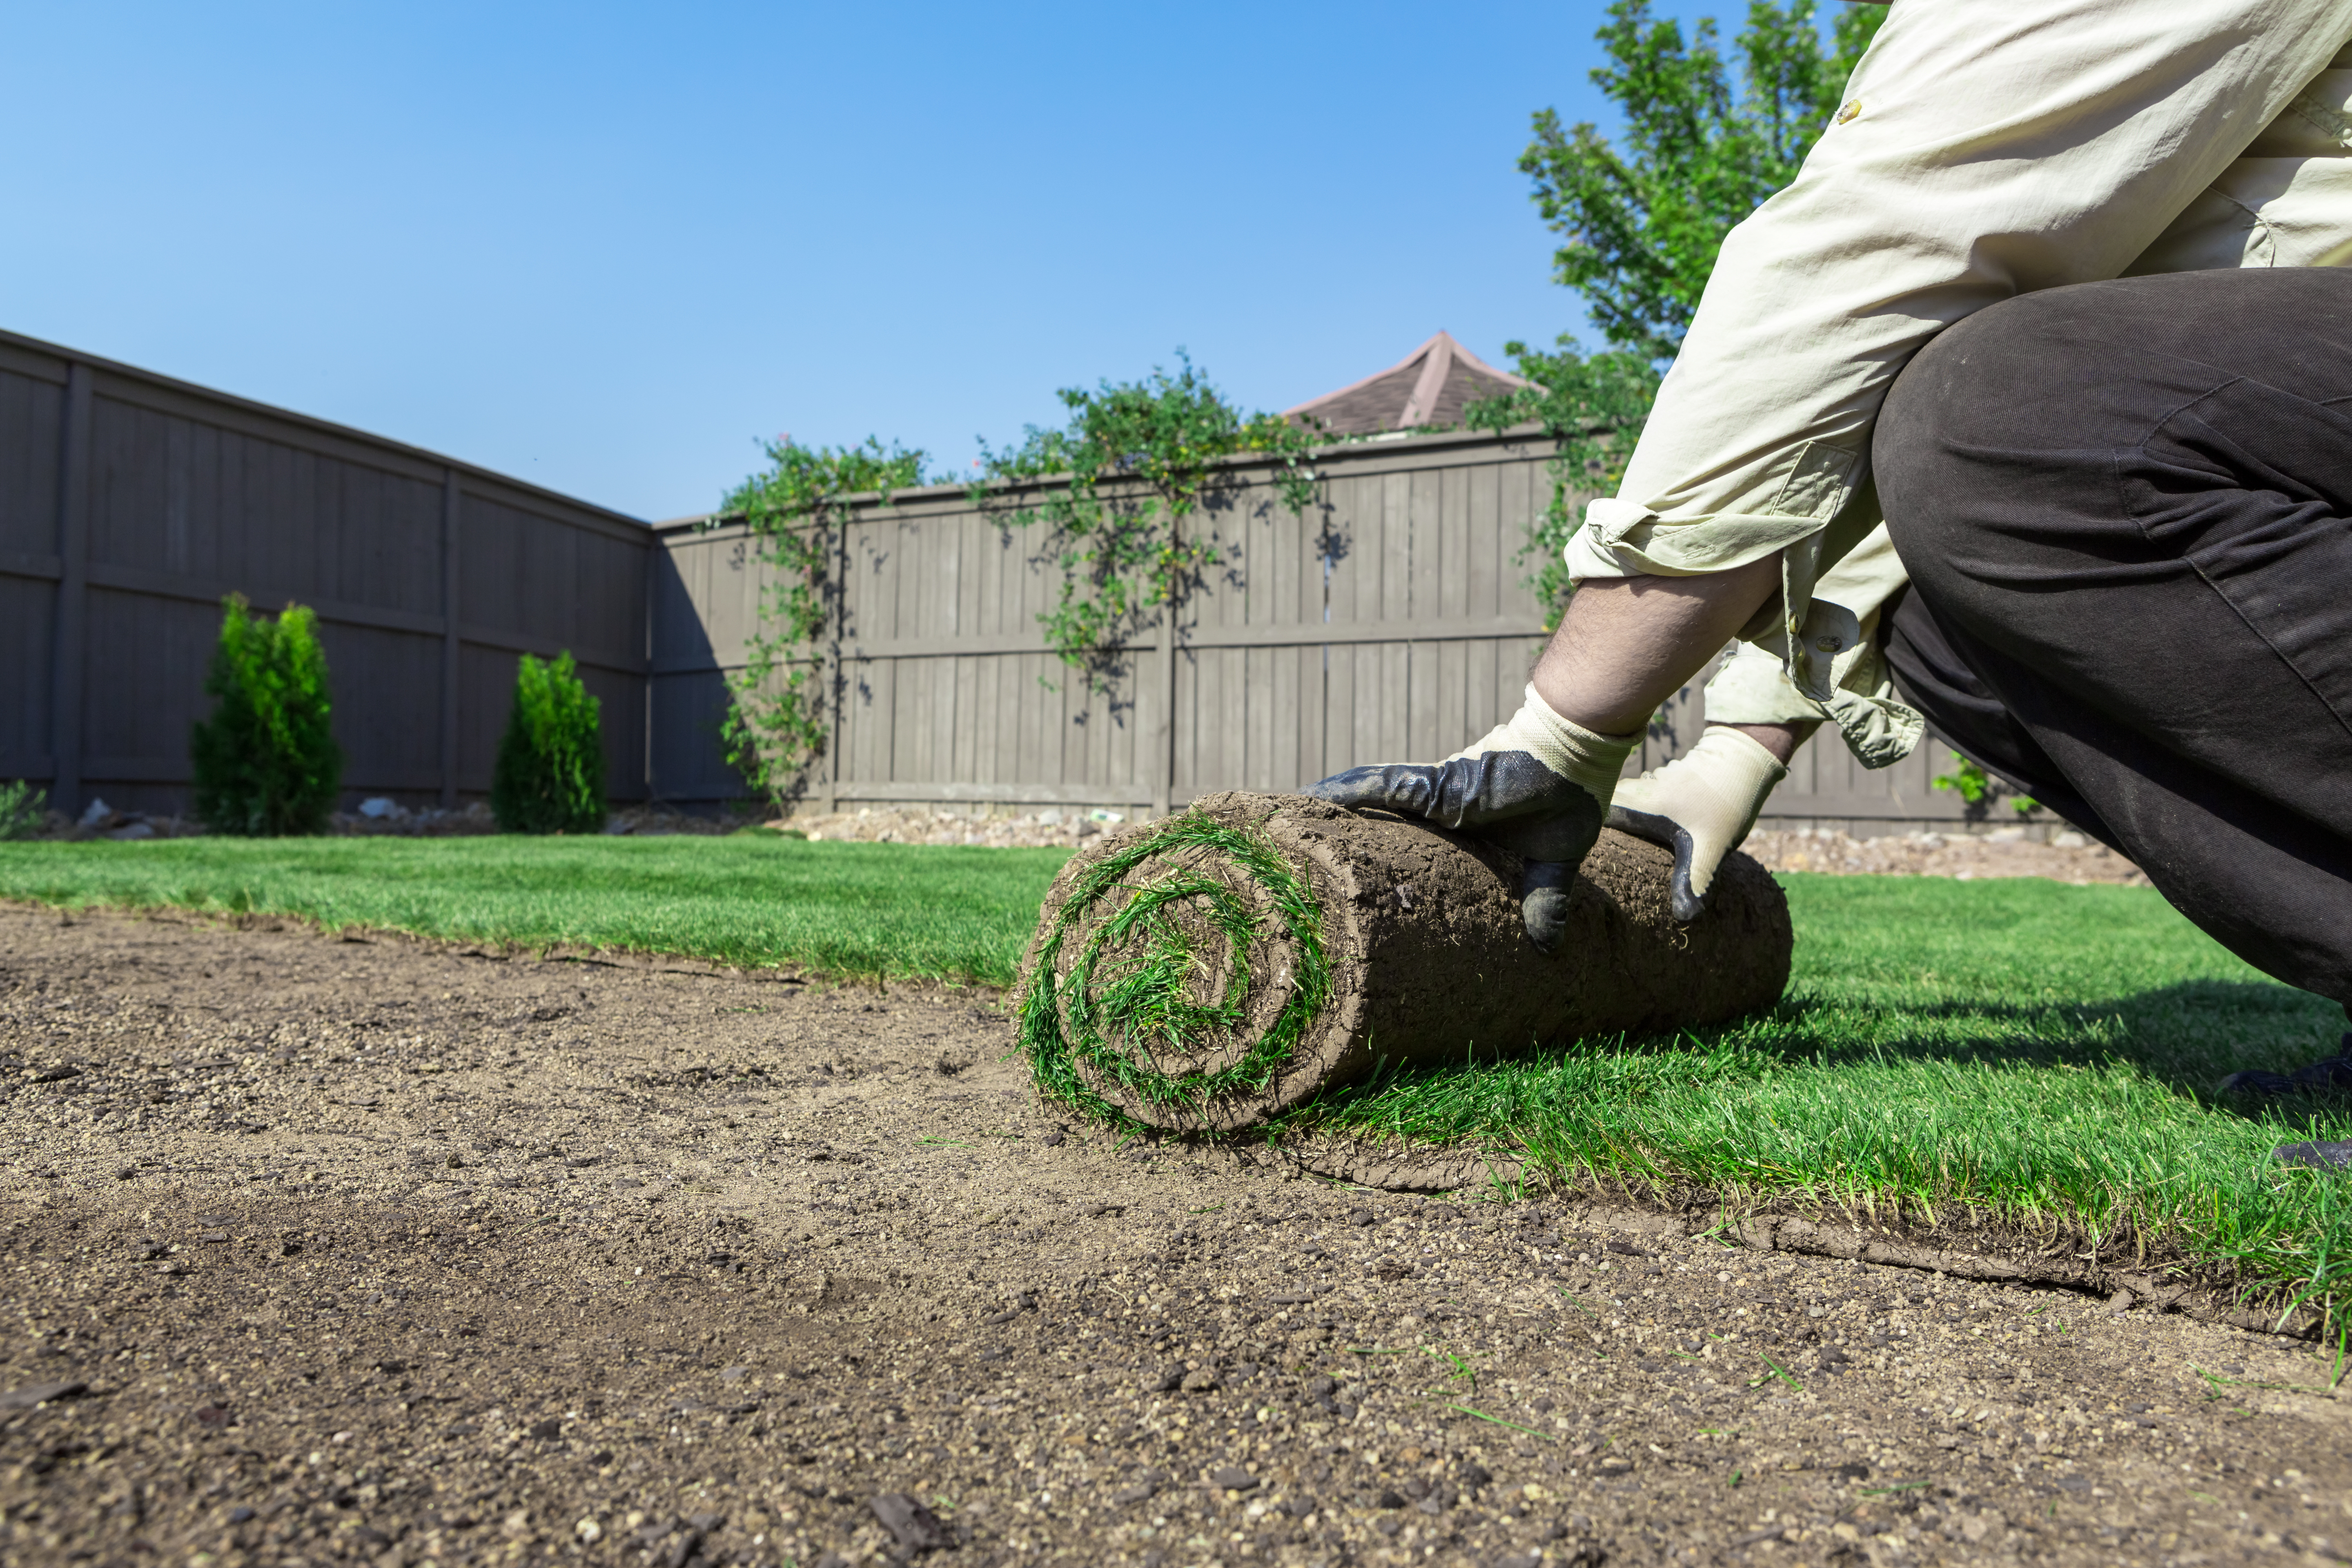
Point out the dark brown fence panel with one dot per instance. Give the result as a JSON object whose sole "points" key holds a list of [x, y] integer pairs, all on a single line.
{"points": [[947, 690], [704, 599], [131, 504], [32, 423]]}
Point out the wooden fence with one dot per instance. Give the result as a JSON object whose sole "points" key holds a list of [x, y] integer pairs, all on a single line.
{"points": [[1389, 621], [130, 504]]}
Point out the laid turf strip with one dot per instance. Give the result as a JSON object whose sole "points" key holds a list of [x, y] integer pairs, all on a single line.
{"points": [[2044, 1051], [863, 910]]}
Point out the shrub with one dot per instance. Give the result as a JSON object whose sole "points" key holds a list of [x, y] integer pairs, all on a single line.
{"points": [[550, 771], [22, 808], [267, 764]]}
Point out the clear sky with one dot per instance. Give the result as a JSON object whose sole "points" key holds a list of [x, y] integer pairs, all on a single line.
{"points": [[607, 249]]}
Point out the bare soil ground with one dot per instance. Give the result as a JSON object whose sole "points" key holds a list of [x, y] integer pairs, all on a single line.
{"points": [[378, 1251]]}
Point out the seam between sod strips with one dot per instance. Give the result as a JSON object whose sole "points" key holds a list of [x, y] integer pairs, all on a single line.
{"points": [[1112, 1030]]}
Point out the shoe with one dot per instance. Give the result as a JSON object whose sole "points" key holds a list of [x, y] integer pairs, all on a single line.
{"points": [[2332, 1075]]}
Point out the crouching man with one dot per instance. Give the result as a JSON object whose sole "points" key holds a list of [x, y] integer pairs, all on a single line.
{"points": [[2026, 409]]}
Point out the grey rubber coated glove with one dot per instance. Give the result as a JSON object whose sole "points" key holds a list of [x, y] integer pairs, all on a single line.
{"points": [[1701, 806], [1537, 785]]}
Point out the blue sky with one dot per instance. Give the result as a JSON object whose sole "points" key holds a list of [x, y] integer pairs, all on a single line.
{"points": [[607, 248]]}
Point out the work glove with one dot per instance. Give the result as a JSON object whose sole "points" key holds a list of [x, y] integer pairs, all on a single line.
{"points": [[1700, 806], [1537, 785]]}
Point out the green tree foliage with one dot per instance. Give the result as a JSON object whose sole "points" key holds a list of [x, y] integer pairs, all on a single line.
{"points": [[1140, 459], [1979, 790], [266, 762], [550, 775], [1644, 218], [780, 717], [1593, 407]]}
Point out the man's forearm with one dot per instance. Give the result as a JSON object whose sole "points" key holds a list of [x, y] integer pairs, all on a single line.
{"points": [[1627, 644]]}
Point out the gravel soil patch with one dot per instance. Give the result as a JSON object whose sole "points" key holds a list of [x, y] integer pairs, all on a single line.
{"points": [[382, 1251], [2066, 856]]}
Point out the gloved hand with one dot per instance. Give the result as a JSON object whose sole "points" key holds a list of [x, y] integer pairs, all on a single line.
{"points": [[1700, 806], [1536, 785]]}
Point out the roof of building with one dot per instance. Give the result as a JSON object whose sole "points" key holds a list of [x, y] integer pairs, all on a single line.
{"points": [[1430, 385]]}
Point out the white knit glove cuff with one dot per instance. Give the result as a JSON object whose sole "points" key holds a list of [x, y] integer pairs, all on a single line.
{"points": [[1566, 748]]}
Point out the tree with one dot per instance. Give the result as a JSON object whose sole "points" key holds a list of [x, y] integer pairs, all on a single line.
{"points": [[1645, 218]]}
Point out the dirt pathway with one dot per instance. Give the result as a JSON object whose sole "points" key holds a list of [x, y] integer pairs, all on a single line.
{"points": [[382, 1252]]}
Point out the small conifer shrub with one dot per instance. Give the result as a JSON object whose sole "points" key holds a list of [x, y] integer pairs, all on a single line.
{"points": [[550, 771], [22, 808], [267, 765]]}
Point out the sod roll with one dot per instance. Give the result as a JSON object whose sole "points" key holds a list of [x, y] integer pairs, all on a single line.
{"points": [[1216, 968]]}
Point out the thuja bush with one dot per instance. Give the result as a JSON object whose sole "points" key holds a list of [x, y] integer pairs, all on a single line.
{"points": [[266, 762], [22, 807], [551, 770]]}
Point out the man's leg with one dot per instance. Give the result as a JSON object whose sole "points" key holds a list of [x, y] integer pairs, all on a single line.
{"points": [[2124, 507]]}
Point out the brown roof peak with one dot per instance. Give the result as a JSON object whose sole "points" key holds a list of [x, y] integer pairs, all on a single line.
{"points": [[1430, 385]]}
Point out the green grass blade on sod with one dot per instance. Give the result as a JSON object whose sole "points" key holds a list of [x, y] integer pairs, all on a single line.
{"points": [[869, 910]]}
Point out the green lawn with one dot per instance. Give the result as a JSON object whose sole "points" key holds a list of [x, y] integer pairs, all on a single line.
{"points": [[864, 911], [2045, 1051]]}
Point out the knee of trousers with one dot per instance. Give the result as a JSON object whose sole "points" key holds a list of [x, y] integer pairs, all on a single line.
{"points": [[1954, 403]]}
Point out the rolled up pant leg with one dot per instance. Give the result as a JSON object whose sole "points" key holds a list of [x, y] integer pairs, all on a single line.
{"points": [[2124, 507]]}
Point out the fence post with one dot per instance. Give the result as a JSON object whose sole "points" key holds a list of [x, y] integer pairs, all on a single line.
{"points": [[72, 631], [836, 692], [1163, 762], [450, 502]]}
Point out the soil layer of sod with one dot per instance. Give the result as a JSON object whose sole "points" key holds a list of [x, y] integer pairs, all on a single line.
{"points": [[387, 1251]]}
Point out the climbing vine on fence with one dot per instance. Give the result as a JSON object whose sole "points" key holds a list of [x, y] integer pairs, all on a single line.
{"points": [[1593, 407], [1139, 459], [781, 717]]}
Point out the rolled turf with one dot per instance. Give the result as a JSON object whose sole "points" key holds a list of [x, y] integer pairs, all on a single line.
{"points": [[1219, 968]]}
